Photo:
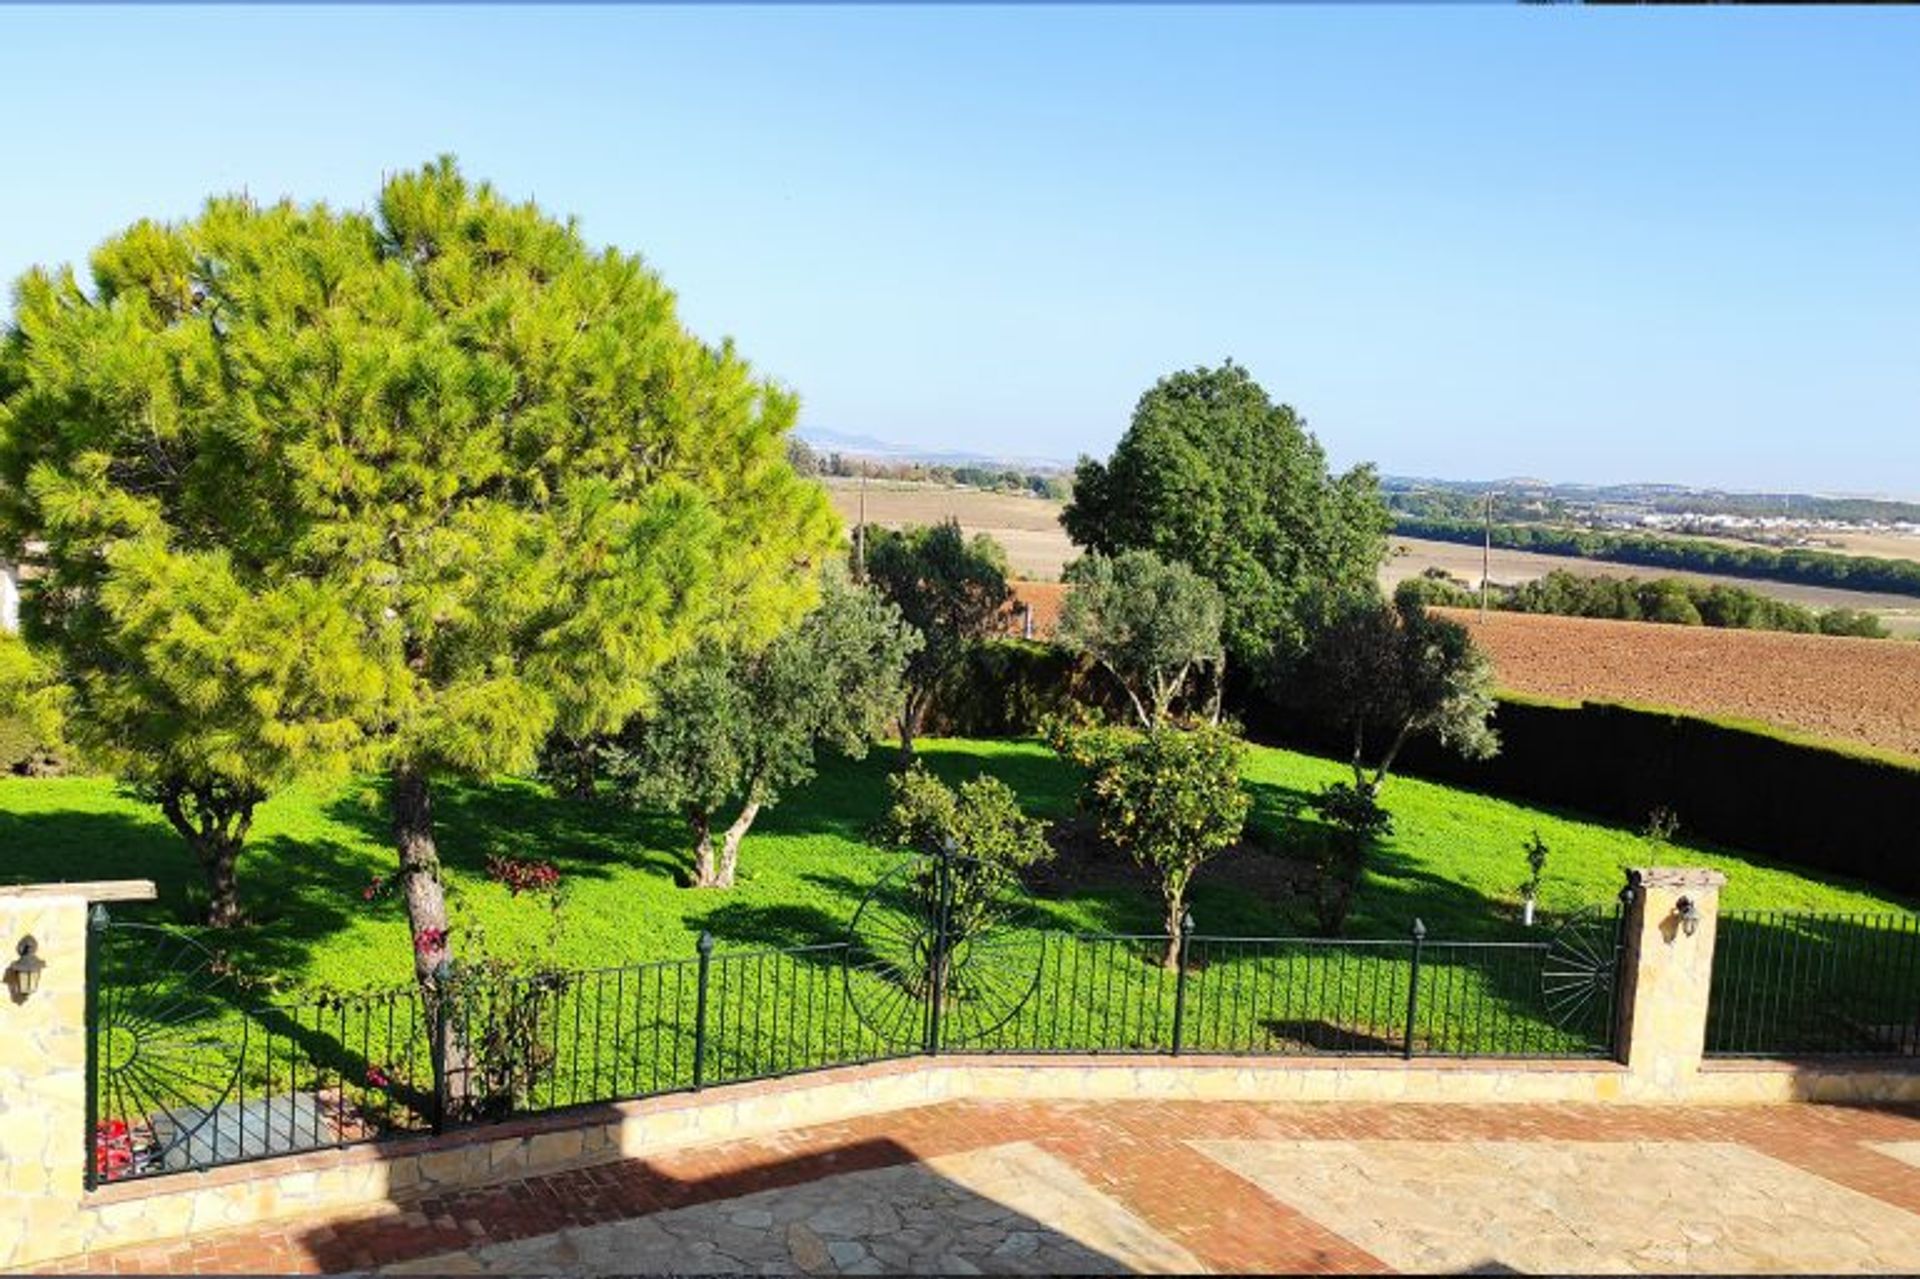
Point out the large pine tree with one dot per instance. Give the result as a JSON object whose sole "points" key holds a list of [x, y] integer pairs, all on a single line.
{"points": [[412, 488]]}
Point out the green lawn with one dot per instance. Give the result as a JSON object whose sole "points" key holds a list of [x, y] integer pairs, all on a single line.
{"points": [[616, 1030], [1454, 860]]}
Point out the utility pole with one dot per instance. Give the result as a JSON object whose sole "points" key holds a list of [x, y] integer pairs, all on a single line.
{"points": [[1486, 557], [860, 530]]}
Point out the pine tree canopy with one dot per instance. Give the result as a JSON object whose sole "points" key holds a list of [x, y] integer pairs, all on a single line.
{"points": [[320, 489]]}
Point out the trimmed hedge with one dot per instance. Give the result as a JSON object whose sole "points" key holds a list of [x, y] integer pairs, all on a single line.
{"points": [[1814, 806], [1808, 804], [1006, 687]]}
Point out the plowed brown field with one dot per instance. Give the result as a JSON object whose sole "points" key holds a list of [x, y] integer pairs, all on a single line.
{"points": [[1850, 690]]}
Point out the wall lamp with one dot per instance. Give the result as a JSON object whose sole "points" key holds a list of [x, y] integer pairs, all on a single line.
{"points": [[23, 974], [1688, 915]]}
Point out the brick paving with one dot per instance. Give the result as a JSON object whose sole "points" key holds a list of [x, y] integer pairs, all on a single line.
{"points": [[1144, 1160]]}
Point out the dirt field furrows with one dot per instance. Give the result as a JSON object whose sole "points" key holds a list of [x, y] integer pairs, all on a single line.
{"points": [[1852, 690]]}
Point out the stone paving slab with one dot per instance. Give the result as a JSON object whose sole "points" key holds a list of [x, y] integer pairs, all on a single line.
{"points": [[1242, 1187], [1907, 1152], [949, 1215], [1579, 1207]]}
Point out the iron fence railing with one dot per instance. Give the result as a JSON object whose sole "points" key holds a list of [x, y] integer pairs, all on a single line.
{"points": [[243, 1081], [1806, 983]]}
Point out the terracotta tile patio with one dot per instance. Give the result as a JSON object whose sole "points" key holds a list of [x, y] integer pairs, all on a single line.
{"points": [[1234, 1187]]}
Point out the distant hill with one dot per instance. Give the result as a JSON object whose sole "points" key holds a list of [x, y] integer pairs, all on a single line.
{"points": [[827, 440]]}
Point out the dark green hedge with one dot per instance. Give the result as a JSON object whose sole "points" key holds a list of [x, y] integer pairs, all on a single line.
{"points": [[1805, 804], [1006, 687], [1808, 805]]}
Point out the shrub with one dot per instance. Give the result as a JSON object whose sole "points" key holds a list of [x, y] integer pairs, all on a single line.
{"points": [[1170, 799], [1358, 821], [982, 823]]}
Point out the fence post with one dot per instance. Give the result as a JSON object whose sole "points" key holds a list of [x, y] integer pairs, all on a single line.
{"points": [[1413, 987], [437, 1047], [937, 960], [705, 947], [97, 921], [1180, 981]]}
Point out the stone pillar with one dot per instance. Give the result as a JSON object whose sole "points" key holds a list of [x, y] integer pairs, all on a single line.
{"points": [[43, 1069], [1667, 973]]}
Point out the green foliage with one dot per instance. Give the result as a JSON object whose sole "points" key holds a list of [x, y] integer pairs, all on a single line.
{"points": [[1357, 823], [1395, 671], [1152, 624], [980, 819], [1536, 850], [31, 704], [1171, 799], [981, 823], [1674, 600], [1212, 473], [951, 590], [1693, 554], [734, 728], [419, 486], [1434, 589]]}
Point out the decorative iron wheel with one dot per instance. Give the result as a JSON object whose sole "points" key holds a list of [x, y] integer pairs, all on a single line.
{"points": [[1578, 971], [167, 1051], [948, 916]]}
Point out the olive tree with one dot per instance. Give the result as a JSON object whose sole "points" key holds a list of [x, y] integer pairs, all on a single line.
{"points": [[736, 729], [1151, 624]]}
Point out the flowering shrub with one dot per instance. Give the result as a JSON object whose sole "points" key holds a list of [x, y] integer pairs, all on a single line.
{"points": [[377, 1078], [522, 876], [113, 1149]]}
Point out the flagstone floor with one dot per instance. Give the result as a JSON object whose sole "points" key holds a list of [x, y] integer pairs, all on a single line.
{"points": [[1115, 1187]]}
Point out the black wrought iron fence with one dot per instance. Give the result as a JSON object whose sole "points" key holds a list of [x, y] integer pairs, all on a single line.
{"points": [[1806, 983], [189, 1073], [186, 1071]]}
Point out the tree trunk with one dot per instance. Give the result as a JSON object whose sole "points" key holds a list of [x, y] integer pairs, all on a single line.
{"points": [[1176, 914], [730, 843], [705, 873], [426, 900], [1393, 753], [910, 717], [215, 827]]}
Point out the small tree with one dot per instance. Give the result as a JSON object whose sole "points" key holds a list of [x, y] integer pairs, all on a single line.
{"points": [[1536, 851], [981, 823], [1171, 799], [1386, 673], [1151, 624], [1358, 822], [739, 729], [951, 590]]}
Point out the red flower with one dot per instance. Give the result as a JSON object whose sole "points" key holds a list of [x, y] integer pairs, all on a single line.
{"points": [[522, 877], [377, 1078], [428, 940]]}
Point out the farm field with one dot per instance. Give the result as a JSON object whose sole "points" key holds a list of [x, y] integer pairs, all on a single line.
{"points": [[1028, 527], [1886, 546], [1410, 556], [1851, 690], [1037, 548]]}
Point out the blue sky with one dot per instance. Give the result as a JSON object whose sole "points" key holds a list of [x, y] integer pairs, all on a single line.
{"points": [[1600, 245]]}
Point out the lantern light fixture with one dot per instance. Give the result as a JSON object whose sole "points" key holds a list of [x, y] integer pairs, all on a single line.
{"points": [[23, 974]]}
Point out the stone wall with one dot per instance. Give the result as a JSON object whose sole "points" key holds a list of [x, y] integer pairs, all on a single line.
{"points": [[45, 1213]]}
